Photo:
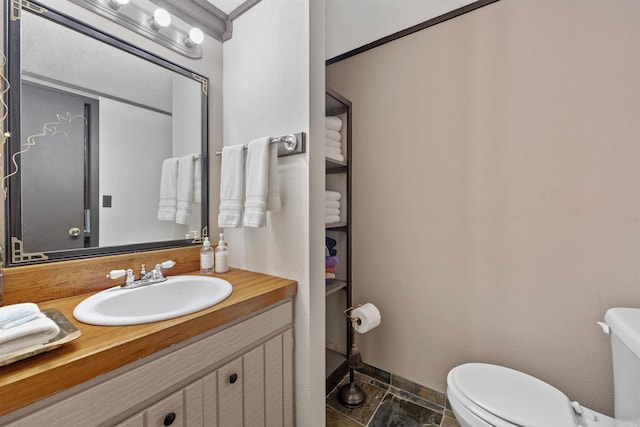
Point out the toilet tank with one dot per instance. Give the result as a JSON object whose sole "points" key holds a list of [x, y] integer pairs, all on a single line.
{"points": [[624, 324]]}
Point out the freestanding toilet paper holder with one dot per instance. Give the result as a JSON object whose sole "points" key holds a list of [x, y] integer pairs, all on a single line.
{"points": [[351, 395]]}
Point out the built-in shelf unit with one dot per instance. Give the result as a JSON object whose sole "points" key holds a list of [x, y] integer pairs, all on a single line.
{"points": [[338, 293]]}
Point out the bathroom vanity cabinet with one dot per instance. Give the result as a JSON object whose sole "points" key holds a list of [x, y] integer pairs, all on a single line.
{"points": [[238, 374], [228, 365], [338, 293]]}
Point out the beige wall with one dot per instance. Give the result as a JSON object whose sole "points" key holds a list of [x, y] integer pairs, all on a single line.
{"points": [[496, 201]]}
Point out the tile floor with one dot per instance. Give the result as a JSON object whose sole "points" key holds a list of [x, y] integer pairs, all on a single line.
{"points": [[391, 402]]}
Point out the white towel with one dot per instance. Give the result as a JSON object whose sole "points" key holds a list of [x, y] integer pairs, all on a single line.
{"points": [[331, 219], [184, 193], [332, 204], [336, 157], [29, 334], [257, 182], [168, 190], [231, 186], [333, 123], [197, 178], [332, 143], [333, 135], [331, 211], [274, 203], [332, 195], [333, 150]]}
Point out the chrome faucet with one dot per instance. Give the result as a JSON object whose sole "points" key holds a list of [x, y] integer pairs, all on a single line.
{"points": [[154, 276]]}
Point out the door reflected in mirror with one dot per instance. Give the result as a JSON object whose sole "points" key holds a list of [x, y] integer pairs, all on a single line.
{"points": [[111, 153]]}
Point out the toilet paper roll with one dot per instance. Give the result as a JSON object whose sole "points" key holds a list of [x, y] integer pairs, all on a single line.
{"points": [[369, 316]]}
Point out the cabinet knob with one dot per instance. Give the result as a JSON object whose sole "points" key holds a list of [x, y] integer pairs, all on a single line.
{"points": [[233, 378], [169, 419]]}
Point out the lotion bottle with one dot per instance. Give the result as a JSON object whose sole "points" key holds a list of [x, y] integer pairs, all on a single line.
{"points": [[206, 257], [222, 253]]}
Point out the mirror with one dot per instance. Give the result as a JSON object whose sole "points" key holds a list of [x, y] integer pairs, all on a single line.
{"points": [[108, 152]]}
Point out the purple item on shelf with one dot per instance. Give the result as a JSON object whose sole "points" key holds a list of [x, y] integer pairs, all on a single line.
{"points": [[331, 261]]}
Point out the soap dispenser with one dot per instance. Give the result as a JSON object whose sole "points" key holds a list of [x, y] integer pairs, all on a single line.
{"points": [[222, 253], [206, 257]]}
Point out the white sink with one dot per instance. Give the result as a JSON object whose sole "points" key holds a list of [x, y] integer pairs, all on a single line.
{"points": [[177, 296]]}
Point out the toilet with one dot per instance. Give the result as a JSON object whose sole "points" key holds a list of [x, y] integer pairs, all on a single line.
{"points": [[484, 395]]}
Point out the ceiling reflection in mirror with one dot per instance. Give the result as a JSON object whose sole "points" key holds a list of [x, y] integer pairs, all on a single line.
{"points": [[111, 151]]}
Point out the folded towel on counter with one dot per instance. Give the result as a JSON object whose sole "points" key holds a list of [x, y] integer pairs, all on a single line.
{"points": [[184, 193], [331, 211], [333, 135], [23, 326], [257, 185], [332, 195], [332, 204], [332, 143], [168, 190], [333, 123], [331, 219], [197, 178], [231, 186]]}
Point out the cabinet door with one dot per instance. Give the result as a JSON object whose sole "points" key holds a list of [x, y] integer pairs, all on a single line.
{"points": [[253, 386], [167, 412], [230, 379]]}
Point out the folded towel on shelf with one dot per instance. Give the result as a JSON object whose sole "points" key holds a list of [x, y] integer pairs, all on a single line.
{"points": [[197, 178], [336, 157], [331, 211], [332, 195], [23, 326], [329, 275], [257, 185], [184, 193], [231, 186], [332, 143], [331, 269], [332, 204], [333, 135], [333, 123], [168, 190], [332, 150], [331, 219]]}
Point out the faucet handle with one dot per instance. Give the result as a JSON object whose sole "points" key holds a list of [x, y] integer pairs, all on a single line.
{"points": [[115, 274], [168, 264]]}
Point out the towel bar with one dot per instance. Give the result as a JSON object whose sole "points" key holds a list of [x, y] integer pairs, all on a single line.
{"points": [[287, 144]]}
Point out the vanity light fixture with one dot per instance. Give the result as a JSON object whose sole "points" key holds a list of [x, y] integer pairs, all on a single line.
{"points": [[156, 25], [116, 4], [196, 37], [160, 19]]}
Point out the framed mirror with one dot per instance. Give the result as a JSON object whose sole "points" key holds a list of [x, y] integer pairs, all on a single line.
{"points": [[108, 150]]}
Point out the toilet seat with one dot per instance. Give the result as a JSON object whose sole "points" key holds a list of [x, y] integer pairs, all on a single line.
{"points": [[503, 396]]}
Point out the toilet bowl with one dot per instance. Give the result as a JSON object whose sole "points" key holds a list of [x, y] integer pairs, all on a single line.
{"points": [[483, 395]]}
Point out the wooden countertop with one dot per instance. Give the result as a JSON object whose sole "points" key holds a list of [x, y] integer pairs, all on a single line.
{"points": [[101, 349]]}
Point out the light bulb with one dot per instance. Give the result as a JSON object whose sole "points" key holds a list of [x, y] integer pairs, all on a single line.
{"points": [[196, 37], [117, 4], [161, 19]]}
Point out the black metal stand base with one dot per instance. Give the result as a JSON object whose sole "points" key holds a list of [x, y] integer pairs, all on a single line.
{"points": [[351, 395]]}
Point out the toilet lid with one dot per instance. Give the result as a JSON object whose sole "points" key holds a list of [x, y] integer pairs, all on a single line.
{"points": [[513, 396]]}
